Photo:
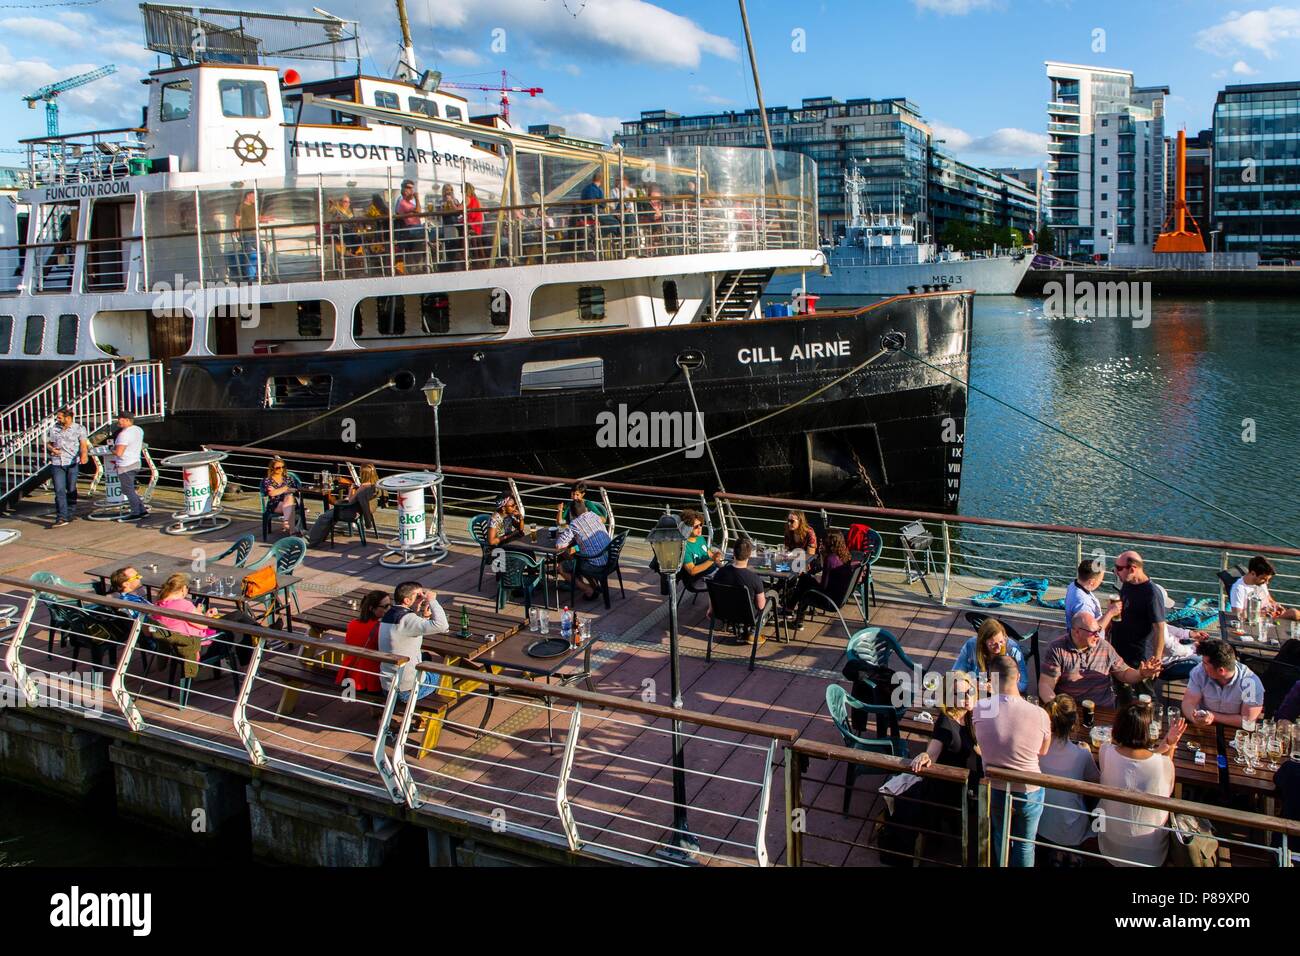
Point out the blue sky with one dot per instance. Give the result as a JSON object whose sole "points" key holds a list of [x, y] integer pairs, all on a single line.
{"points": [[975, 67]]}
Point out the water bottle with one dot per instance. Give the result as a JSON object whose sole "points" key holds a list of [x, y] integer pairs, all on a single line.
{"points": [[566, 624]]}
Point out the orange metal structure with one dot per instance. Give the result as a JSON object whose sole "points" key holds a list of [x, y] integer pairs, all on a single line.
{"points": [[1181, 238]]}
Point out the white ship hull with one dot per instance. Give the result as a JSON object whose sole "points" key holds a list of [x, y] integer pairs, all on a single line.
{"points": [[994, 276]]}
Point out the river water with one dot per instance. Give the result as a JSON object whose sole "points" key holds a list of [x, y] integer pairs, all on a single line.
{"points": [[1204, 397]]}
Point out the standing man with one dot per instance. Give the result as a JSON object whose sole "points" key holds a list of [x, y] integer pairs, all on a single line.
{"points": [[1139, 633], [127, 447], [69, 450]]}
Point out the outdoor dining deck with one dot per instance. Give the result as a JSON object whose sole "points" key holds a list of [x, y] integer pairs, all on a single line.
{"points": [[619, 781]]}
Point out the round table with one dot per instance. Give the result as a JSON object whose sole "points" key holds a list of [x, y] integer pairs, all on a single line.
{"points": [[201, 514], [413, 547], [113, 505]]}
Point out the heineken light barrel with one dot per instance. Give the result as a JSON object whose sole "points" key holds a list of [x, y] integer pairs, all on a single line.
{"points": [[198, 490]]}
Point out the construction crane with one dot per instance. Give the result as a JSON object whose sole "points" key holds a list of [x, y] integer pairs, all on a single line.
{"points": [[49, 94], [503, 89]]}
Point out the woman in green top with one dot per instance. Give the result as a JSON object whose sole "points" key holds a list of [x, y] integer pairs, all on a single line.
{"points": [[697, 560]]}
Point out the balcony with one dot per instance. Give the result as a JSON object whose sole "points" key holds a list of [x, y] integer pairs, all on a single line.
{"points": [[1063, 106], [1070, 129], [1063, 166], [1064, 149]]}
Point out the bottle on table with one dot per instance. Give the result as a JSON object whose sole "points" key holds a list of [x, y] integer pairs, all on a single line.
{"points": [[566, 624], [464, 622]]}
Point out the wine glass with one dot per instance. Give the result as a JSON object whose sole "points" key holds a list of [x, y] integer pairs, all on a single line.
{"points": [[1153, 734], [1237, 745], [1295, 742], [1250, 750], [1274, 750]]}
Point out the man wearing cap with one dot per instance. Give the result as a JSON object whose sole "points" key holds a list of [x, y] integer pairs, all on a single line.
{"points": [[69, 450], [127, 448], [505, 525]]}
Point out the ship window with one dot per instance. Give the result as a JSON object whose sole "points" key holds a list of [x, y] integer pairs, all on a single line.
{"points": [[562, 374], [591, 303], [454, 113], [672, 302], [343, 119], [6, 333], [420, 105], [435, 313], [387, 99], [65, 342], [177, 100], [309, 324], [499, 308], [244, 98], [34, 338], [298, 391]]}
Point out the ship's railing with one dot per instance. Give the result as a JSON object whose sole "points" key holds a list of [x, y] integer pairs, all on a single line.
{"points": [[1268, 840], [93, 156], [574, 770], [966, 553]]}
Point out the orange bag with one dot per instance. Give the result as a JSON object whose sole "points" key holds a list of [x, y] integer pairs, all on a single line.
{"points": [[260, 582]]}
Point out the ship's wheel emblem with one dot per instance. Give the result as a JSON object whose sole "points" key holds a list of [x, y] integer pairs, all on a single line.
{"points": [[250, 148]]}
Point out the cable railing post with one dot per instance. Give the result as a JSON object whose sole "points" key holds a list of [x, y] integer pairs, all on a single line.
{"points": [[395, 774], [984, 810], [392, 245], [13, 663], [240, 716], [1078, 550], [947, 565], [622, 216], [401, 772], [562, 805], [794, 828], [117, 686], [764, 802], [320, 223]]}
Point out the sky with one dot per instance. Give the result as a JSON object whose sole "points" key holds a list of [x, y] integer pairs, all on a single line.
{"points": [[974, 67]]}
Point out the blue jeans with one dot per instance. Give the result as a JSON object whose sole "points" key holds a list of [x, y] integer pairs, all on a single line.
{"points": [[1026, 809], [127, 478], [428, 685], [248, 258], [65, 489]]}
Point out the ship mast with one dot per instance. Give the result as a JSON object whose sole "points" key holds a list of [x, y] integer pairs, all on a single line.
{"points": [[407, 69]]}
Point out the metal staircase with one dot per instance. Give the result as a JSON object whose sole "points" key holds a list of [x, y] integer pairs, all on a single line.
{"points": [[95, 391], [736, 294]]}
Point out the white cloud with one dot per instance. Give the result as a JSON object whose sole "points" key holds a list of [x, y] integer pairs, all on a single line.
{"points": [[958, 8], [705, 94], [1242, 68], [458, 56], [1259, 30], [590, 126], [635, 29], [1007, 141]]}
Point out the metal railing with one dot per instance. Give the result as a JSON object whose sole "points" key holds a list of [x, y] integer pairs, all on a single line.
{"points": [[95, 391], [84, 157]]}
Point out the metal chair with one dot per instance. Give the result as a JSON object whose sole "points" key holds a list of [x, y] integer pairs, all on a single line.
{"points": [[241, 549], [732, 606], [814, 600], [839, 704], [601, 573], [478, 529], [522, 573], [356, 515]]}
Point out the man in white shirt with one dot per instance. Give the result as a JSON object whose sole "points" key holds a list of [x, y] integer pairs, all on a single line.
{"points": [[127, 448], [1254, 583], [414, 614]]}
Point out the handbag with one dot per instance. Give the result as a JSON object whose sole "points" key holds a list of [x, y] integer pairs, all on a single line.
{"points": [[259, 583], [1192, 842]]}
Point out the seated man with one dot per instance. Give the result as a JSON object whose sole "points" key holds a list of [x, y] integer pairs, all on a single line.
{"points": [[577, 493], [125, 586], [1254, 583], [415, 613], [1082, 664], [506, 524], [590, 544], [698, 562], [738, 573], [1222, 690]]}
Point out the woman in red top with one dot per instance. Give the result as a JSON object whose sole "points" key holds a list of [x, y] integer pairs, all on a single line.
{"points": [[364, 632], [478, 242]]}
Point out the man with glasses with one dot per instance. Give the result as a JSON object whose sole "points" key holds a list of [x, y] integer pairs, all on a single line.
{"points": [[124, 584], [1082, 664], [1138, 634], [69, 449]]}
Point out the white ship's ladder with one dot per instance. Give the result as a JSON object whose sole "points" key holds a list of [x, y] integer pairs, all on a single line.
{"points": [[96, 392]]}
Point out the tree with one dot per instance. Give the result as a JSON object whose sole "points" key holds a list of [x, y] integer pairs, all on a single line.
{"points": [[1046, 240]]}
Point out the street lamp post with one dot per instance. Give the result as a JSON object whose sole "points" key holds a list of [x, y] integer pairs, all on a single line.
{"points": [[668, 541], [433, 390]]}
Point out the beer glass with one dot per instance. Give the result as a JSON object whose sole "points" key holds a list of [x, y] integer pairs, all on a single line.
{"points": [[543, 624], [1237, 739], [1251, 752], [1295, 742], [1274, 750]]}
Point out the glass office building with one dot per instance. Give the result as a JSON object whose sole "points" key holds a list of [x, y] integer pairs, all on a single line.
{"points": [[1257, 169]]}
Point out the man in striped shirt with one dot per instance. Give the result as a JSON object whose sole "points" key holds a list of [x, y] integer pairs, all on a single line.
{"points": [[589, 541]]}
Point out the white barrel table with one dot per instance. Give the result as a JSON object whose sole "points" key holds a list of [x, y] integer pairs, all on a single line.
{"points": [[414, 546], [202, 512]]}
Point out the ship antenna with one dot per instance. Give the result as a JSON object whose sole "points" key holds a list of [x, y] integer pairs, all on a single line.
{"points": [[406, 70], [758, 89]]}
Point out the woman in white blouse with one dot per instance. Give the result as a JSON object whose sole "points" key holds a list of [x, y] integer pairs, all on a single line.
{"points": [[1127, 834]]}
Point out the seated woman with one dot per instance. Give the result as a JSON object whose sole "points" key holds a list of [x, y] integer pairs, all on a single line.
{"points": [[837, 570], [989, 642], [174, 596], [799, 534], [506, 523], [1067, 817], [1133, 835], [357, 504], [364, 632], [281, 492]]}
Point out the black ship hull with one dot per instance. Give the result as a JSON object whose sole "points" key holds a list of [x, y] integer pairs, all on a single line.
{"points": [[603, 403]]}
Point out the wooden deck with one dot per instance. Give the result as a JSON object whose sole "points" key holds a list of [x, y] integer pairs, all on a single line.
{"points": [[504, 769]]}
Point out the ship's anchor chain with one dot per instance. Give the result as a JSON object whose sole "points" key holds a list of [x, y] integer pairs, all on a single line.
{"points": [[866, 478]]}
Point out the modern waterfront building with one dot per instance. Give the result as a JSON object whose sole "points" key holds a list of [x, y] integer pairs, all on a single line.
{"points": [[1256, 196], [887, 139], [1106, 160]]}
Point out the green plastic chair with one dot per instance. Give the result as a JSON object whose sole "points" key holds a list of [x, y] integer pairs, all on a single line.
{"points": [[58, 606], [523, 573], [288, 555], [839, 704], [241, 549], [478, 529]]}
